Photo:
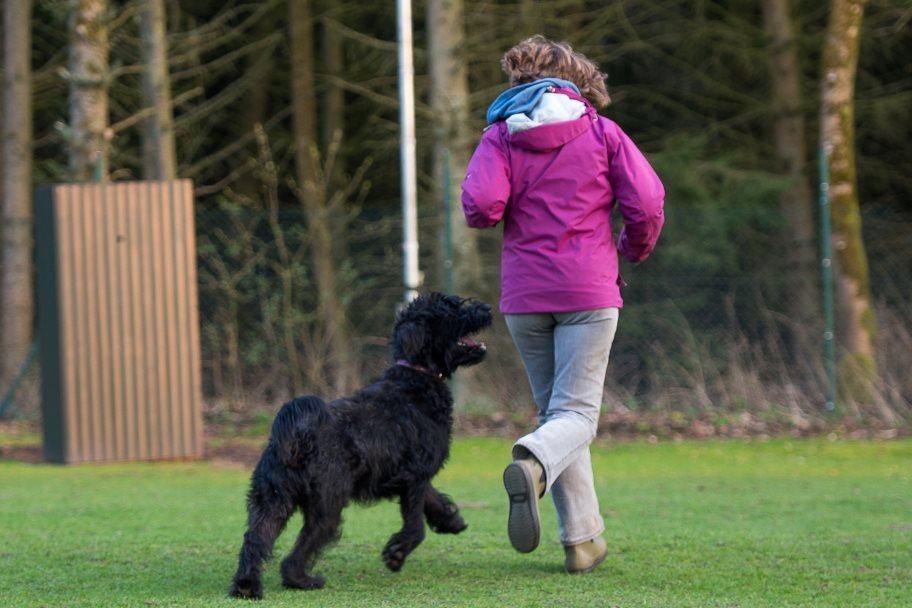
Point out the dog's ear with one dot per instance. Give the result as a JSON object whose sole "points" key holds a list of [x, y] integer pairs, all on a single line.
{"points": [[410, 339]]}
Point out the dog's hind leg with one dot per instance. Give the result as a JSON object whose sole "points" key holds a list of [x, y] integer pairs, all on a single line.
{"points": [[321, 527], [403, 542], [266, 520], [441, 513]]}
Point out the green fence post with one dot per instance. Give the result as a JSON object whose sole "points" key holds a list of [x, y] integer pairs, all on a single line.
{"points": [[23, 369], [829, 337]]}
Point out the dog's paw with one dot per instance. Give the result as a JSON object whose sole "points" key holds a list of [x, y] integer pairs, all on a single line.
{"points": [[294, 577], [453, 524], [394, 556], [442, 514], [303, 582], [247, 589]]}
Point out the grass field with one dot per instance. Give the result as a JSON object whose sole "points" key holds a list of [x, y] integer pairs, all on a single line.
{"points": [[728, 524]]}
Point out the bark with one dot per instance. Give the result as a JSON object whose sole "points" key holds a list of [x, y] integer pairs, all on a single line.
{"points": [[159, 155], [452, 139], [563, 20], [256, 102], [88, 102], [334, 100], [857, 326], [331, 325], [802, 277], [532, 18], [16, 275]]}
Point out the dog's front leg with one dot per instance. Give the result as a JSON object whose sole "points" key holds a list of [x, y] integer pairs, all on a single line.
{"points": [[403, 542], [441, 513]]}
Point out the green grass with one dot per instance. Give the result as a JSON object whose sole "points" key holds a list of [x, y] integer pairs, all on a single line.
{"points": [[729, 524]]}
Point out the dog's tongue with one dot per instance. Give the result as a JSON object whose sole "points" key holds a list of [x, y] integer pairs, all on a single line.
{"points": [[469, 342]]}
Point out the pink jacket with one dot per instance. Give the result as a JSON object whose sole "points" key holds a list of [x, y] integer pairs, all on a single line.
{"points": [[554, 187]]}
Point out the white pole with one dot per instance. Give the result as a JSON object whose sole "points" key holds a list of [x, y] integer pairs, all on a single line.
{"points": [[407, 150]]}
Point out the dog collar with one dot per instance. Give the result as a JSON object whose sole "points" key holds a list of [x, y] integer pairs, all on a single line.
{"points": [[418, 368]]}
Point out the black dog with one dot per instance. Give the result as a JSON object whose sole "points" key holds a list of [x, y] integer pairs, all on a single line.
{"points": [[388, 440]]}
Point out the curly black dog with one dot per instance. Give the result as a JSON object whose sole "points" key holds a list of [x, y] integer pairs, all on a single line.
{"points": [[387, 440]]}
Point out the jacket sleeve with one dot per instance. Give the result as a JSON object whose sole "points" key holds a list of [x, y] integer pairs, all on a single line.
{"points": [[639, 193], [486, 188]]}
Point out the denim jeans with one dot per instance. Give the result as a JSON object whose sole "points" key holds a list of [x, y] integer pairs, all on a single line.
{"points": [[566, 358]]}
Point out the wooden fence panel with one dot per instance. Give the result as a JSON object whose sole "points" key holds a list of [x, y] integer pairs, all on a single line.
{"points": [[118, 321]]}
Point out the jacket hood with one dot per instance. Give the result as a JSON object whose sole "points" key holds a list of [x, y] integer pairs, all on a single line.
{"points": [[552, 135], [522, 99], [544, 114], [552, 107]]}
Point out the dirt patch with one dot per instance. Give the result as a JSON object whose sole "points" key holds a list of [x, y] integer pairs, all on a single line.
{"points": [[229, 447], [237, 452], [22, 453]]}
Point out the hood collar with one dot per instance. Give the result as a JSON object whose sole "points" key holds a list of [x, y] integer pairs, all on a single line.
{"points": [[553, 135], [523, 98]]}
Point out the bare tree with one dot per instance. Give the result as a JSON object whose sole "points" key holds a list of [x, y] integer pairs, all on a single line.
{"points": [[858, 324], [159, 156], [533, 18], [334, 96], [16, 300], [231, 58], [331, 326], [88, 131], [452, 139], [791, 155]]}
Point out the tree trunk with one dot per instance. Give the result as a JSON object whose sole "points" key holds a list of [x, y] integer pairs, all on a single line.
{"points": [[16, 299], [532, 18], [802, 277], [88, 74], [452, 140], [255, 109], [858, 325], [331, 325], [334, 98], [159, 155]]}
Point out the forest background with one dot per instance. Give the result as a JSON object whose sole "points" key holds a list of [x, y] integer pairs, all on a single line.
{"points": [[284, 114]]}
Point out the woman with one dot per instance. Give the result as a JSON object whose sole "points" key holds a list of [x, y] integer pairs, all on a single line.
{"points": [[552, 170]]}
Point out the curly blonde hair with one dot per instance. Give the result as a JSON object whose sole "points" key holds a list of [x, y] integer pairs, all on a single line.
{"points": [[537, 57]]}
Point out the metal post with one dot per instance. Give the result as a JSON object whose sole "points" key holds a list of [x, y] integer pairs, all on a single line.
{"points": [[23, 369], [407, 149], [448, 262], [98, 167], [829, 337]]}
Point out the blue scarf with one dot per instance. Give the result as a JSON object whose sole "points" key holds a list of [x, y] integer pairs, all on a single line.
{"points": [[522, 99]]}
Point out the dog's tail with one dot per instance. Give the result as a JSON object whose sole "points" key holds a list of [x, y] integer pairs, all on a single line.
{"points": [[295, 426]]}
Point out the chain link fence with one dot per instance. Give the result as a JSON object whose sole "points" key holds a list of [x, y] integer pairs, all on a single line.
{"points": [[699, 343], [702, 337]]}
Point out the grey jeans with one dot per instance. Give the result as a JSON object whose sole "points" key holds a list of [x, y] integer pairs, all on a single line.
{"points": [[566, 358]]}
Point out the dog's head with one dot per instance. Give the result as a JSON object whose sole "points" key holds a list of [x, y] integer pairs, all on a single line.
{"points": [[434, 332]]}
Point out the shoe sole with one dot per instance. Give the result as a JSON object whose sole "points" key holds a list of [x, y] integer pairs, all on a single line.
{"points": [[523, 526]]}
